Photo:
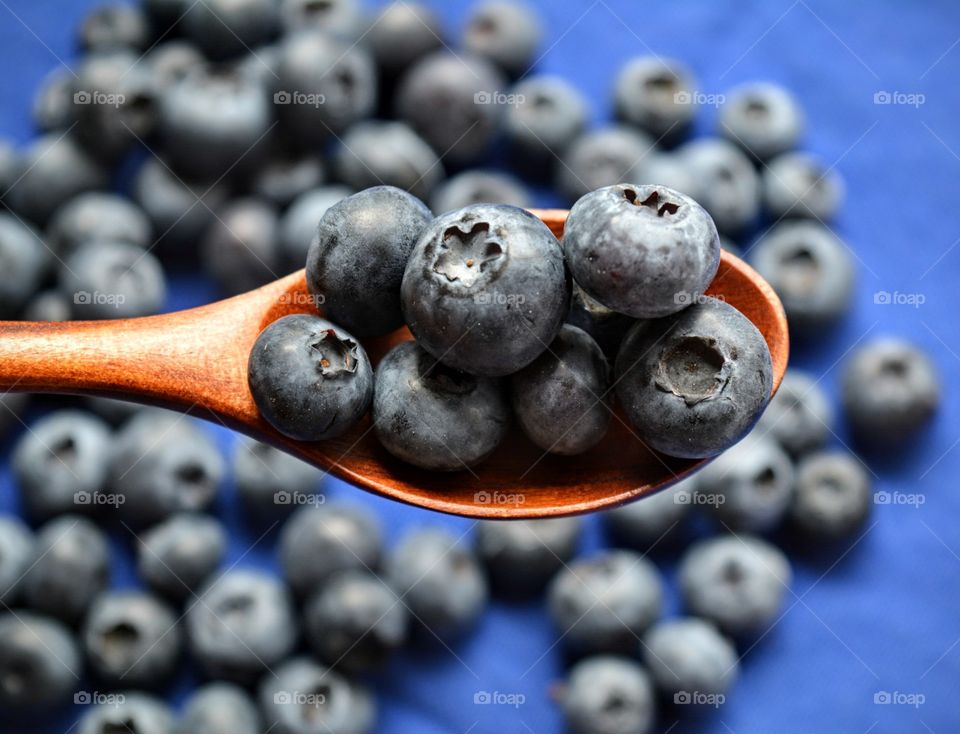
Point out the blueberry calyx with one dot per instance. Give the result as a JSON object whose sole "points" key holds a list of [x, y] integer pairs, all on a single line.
{"points": [[652, 203], [693, 369], [468, 253], [444, 379], [335, 356]]}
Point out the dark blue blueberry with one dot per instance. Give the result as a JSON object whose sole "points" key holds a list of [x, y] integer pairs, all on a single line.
{"points": [[645, 251], [602, 157], [298, 225], [690, 656], [271, 482], [764, 119], [53, 107], [521, 556], [70, 566], [799, 416], [310, 379], [608, 695], [40, 662], [725, 182], [561, 398], [285, 176], [318, 542], [603, 603], [60, 464], [355, 622], [114, 411], [649, 521], [401, 34], [735, 581], [114, 26], [357, 259], [131, 638], [606, 326], [242, 624], [304, 697], [16, 555], [127, 712], [505, 33], [435, 417], [452, 102], [485, 290], [799, 185], [657, 95], [228, 28], [667, 169], [890, 390], [833, 495], [164, 15], [98, 217], [439, 580], [693, 384], [480, 187], [241, 249], [112, 280], [176, 557], [220, 708], [26, 261], [811, 270], [341, 18], [171, 61]]}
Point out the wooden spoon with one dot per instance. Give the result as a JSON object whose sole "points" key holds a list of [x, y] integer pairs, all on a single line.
{"points": [[196, 361]]}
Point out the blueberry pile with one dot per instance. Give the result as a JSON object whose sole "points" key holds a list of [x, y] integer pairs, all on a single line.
{"points": [[244, 139]]}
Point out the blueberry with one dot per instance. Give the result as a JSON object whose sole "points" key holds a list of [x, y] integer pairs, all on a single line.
{"points": [[270, 481], [227, 28], [298, 225], [656, 95], [314, 66], [890, 389], [606, 326], [693, 384], [303, 697], [242, 624], [548, 115], [26, 260], [376, 153], [310, 379], [439, 580], [176, 557], [799, 185], [401, 34], [799, 416], [213, 122], [131, 638], [649, 521], [317, 542], [241, 248], [163, 463], [60, 464], [667, 169], [16, 555], [129, 712], [811, 271], [53, 107], [357, 259], [480, 187], [112, 280], [689, 655], [602, 157], [725, 183], [98, 216], [608, 695], [114, 411], [70, 566], [449, 100], [561, 398], [220, 708], [164, 15], [750, 486], [833, 495], [485, 290], [736, 581], [40, 662], [170, 62], [521, 556], [505, 33], [355, 621], [434, 417], [112, 27], [663, 240], [343, 18], [53, 170], [603, 603], [764, 119], [284, 177]]}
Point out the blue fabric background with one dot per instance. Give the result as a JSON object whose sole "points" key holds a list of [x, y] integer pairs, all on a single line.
{"points": [[882, 614]]}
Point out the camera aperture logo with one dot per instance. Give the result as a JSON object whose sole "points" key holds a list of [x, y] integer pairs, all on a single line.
{"points": [[900, 99], [899, 698], [499, 498], [499, 698], [496, 298], [909, 499], [99, 298], [499, 98], [709, 499], [699, 698], [696, 97], [299, 698], [96, 698], [98, 499], [306, 99], [896, 298], [283, 497], [95, 97]]}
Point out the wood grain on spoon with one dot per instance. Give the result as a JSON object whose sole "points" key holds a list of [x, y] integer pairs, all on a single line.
{"points": [[196, 361]]}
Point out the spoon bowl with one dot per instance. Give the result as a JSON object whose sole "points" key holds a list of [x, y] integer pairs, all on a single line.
{"points": [[196, 361]]}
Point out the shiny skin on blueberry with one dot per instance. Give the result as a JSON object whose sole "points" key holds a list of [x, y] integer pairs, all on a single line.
{"points": [[26, 260], [833, 495], [762, 118], [357, 259], [40, 661], [129, 712], [608, 694], [505, 33], [800, 185], [649, 521], [52, 109], [177, 556], [693, 384], [98, 216], [602, 157], [227, 28], [340, 18], [485, 290], [112, 280], [656, 95], [890, 389], [220, 708], [561, 398], [298, 225], [401, 34], [631, 592], [521, 556], [646, 251], [16, 554], [799, 416], [689, 655], [310, 379], [606, 326], [480, 186], [725, 183], [241, 249], [285, 175], [433, 416]]}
